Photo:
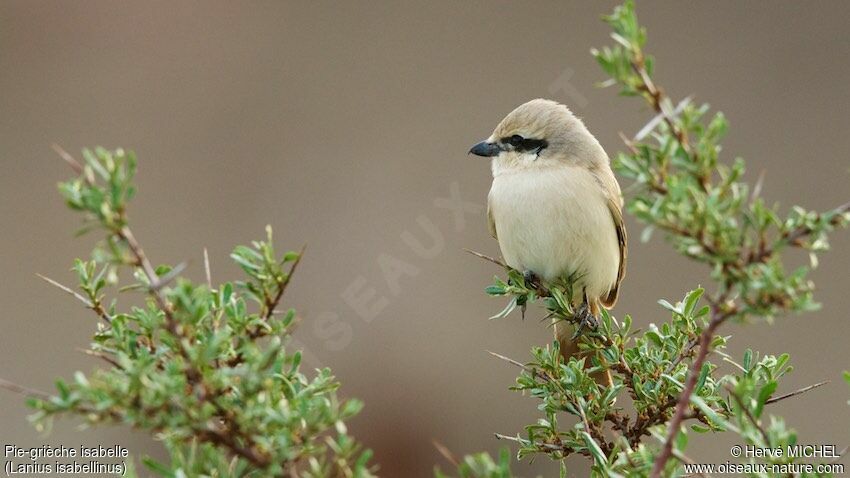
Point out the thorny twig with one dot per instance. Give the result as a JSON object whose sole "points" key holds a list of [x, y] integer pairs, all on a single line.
{"points": [[97, 308], [227, 438], [795, 392]]}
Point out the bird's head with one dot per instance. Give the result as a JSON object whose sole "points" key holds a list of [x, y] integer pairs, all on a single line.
{"points": [[538, 134]]}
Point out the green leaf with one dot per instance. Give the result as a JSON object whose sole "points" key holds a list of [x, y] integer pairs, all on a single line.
{"points": [[748, 360], [157, 467], [691, 301], [703, 375], [495, 290], [595, 451], [766, 391], [712, 415]]}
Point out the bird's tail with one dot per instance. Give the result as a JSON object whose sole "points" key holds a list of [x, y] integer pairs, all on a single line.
{"points": [[569, 348]]}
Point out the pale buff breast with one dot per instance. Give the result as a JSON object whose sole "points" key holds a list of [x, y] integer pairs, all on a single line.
{"points": [[555, 222]]}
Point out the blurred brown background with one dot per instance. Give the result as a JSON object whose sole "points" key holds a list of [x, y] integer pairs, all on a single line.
{"points": [[345, 125]]}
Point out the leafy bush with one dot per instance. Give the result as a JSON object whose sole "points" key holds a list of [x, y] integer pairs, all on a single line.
{"points": [[663, 379], [205, 368]]}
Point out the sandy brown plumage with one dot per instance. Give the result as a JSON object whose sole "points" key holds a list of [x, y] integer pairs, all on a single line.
{"points": [[555, 206]]}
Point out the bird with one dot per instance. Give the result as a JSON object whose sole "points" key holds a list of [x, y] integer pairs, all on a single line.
{"points": [[556, 208]]}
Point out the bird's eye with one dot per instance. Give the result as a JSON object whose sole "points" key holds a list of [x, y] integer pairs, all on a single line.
{"points": [[522, 145]]}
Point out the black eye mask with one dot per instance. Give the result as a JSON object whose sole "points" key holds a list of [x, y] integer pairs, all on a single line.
{"points": [[524, 145]]}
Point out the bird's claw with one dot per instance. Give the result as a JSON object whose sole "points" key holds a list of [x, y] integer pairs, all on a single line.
{"points": [[585, 320]]}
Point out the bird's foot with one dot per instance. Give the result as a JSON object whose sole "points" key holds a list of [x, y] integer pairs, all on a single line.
{"points": [[585, 319], [533, 281]]}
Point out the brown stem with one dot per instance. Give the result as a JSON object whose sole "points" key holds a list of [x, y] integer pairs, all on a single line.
{"points": [[29, 392], [796, 235], [207, 273], [236, 440], [795, 392], [657, 100], [487, 258], [550, 447], [760, 253], [227, 441], [101, 356], [96, 307], [141, 260], [686, 353], [644, 423], [718, 316], [271, 303], [750, 416]]}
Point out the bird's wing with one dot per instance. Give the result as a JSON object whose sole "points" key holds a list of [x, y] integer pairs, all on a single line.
{"points": [[615, 207], [491, 223]]}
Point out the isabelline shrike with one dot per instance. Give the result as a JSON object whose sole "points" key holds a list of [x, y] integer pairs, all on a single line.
{"points": [[556, 208]]}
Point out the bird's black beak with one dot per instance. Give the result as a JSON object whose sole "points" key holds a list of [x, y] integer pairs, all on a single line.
{"points": [[485, 149]]}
